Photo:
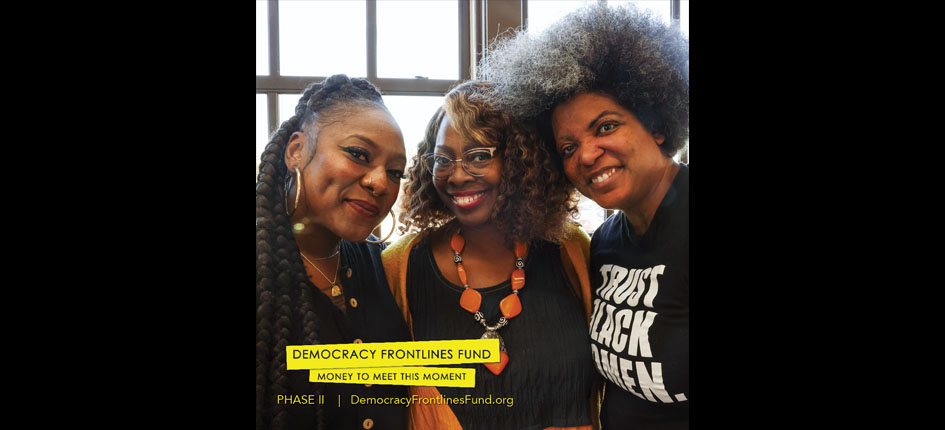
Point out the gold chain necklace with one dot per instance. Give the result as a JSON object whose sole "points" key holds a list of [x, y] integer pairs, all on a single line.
{"points": [[335, 288]]}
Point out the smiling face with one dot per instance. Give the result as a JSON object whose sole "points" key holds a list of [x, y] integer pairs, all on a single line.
{"points": [[470, 198], [607, 154], [353, 177]]}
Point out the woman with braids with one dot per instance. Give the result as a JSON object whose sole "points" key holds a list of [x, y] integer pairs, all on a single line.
{"points": [[496, 257], [610, 87], [329, 175]]}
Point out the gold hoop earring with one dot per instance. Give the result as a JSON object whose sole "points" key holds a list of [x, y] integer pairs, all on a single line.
{"points": [[392, 217], [298, 183]]}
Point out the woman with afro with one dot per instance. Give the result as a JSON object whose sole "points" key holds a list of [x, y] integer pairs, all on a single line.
{"points": [[495, 257], [609, 87], [329, 175]]}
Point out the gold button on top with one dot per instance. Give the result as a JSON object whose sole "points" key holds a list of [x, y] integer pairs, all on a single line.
{"points": [[368, 423], [367, 385], [353, 302], [349, 272], [357, 341]]}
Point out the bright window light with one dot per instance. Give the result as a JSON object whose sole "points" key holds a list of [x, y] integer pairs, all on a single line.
{"points": [[322, 38], [262, 38], [412, 114], [660, 7], [262, 127], [543, 13], [287, 104], [591, 215], [418, 38]]}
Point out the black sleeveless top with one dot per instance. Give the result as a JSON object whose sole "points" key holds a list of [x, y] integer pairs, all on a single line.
{"points": [[549, 374]]}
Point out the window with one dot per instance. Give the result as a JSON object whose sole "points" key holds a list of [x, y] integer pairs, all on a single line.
{"points": [[659, 7], [413, 38], [262, 48], [367, 39], [322, 38], [543, 13], [412, 114], [377, 40], [590, 215], [287, 104], [262, 128]]}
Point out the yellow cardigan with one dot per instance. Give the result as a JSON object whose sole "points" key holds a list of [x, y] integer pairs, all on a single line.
{"points": [[575, 253]]}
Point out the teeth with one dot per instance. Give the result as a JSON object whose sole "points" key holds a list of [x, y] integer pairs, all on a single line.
{"points": [[465, 200], [604, 176]]}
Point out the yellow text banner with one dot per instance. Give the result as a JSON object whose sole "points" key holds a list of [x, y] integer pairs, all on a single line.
{"points": [[392, 354], [420, 376]]}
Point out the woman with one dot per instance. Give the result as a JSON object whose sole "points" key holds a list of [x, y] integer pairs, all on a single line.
{"points": [[328, 177], [610, 86], [496, 257]]}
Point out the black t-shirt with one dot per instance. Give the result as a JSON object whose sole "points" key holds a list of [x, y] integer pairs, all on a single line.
{"points": [[640, 321], [376, 318], [549, 374]]}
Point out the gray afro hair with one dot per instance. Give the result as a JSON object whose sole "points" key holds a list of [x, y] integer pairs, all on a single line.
{"points": [[623, 52]]}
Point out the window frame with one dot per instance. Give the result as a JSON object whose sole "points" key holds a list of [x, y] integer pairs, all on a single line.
{"points": [[480, 21], [275, 83]]}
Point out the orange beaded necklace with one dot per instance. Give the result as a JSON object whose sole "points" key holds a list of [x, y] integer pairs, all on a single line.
{"points": [[510, 305]]}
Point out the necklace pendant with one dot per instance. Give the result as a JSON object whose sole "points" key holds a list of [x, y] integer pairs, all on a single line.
{"points": [[471, 299], [496, 368], [335, 290], [491, 333]]}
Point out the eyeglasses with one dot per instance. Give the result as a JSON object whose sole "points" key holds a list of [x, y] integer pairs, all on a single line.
{"points": [[475, 162]]}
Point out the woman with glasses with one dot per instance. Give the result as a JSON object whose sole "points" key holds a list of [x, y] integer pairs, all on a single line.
{"points": [[495, 257], [329, 175], [611, 87]]}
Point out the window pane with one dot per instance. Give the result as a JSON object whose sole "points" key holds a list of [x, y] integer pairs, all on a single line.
{"points": [[684, 17], [262, 38], [412, 114], [590, 216], [418, 38], [322, 38], [660, 7], [543, 13], [262, 127], [287, 104]]}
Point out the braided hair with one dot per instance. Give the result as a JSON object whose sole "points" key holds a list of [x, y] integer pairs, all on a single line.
{"points": [[283, 290]]}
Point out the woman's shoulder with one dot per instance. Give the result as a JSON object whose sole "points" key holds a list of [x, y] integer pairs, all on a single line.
{"points": [[574, 233], [397, 249]]}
